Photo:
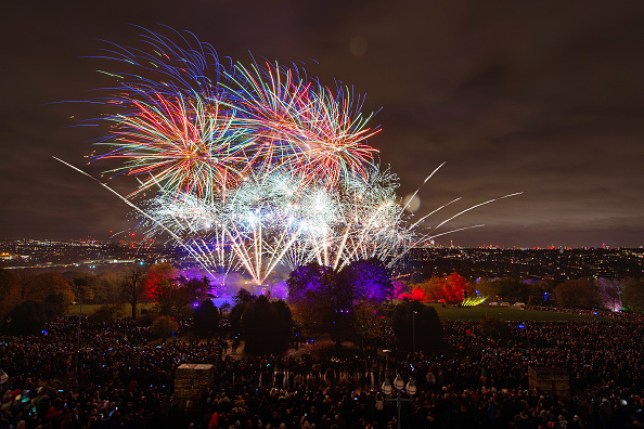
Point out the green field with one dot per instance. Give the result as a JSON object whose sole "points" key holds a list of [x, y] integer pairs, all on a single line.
{"points": [[506, 313], [124, 310]]}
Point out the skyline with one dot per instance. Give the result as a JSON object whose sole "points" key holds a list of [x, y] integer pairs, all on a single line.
{"points": [[478, 99]]}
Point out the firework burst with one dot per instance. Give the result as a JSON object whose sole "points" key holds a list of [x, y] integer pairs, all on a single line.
{"points": [[303, 124], [189, 146]]}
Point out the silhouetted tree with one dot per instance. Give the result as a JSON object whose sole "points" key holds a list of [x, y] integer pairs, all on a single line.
{"points": [[510, 288], [206, 319], [425, 323], [243, 296], [83, 285], [266, 326], [579, 293], [38, 287], [173, 293], [633, 294], [304, 280], [340, 297], [54, 305], [369, 279], [107, 287], [242, 299], [196, 289], [132, 288], [321, 302]]}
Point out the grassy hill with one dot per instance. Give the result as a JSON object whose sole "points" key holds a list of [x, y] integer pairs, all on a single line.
{"points": [[507, 313]]}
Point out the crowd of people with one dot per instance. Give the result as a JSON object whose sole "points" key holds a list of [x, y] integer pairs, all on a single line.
{"points": [[109, 375]]}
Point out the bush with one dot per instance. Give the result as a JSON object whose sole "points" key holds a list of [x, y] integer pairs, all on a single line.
{"points": [[164, 327]]}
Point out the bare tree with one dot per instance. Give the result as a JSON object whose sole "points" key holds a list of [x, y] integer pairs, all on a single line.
{"points": [[132, 288]]}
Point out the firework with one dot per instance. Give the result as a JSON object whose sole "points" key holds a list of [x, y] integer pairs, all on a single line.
{"points": [[199, 225], [187, 123], [276, 214], [360, 219], [182, 146], [302, 124], [164, 66], [252, 167]]}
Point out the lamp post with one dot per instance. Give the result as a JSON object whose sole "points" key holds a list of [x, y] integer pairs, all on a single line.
{"points": [[386, 374], [401, 388], [413, 330], [386, 352], [80, 318], [79, 292]]}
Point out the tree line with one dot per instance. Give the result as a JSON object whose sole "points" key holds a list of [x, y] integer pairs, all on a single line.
{"points": [[356, 303], [583, 293]]}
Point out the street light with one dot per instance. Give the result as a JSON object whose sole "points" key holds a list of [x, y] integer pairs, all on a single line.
{"points": [[79, 292], [413, 330], [386, 352], [401, 388]]}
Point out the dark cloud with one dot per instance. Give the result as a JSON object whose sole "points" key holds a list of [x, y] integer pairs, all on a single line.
{"points": [[544, 97]]}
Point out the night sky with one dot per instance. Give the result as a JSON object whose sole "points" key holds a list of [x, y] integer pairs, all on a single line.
{"points": [[541, 97]]}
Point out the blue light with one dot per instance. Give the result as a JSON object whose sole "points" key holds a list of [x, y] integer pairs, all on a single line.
{"points": [[521, 326]]}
